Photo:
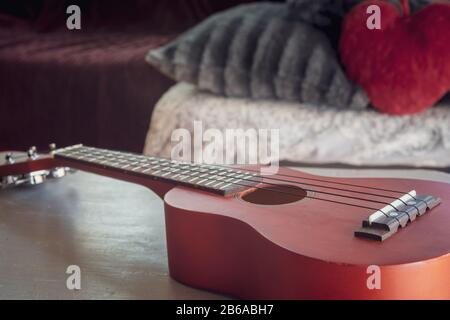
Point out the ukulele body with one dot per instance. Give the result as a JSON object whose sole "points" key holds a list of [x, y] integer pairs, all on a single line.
{"points": [[306, 249]]}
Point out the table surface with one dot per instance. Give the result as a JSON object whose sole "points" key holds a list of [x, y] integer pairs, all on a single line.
{"points": [[113, 230]]}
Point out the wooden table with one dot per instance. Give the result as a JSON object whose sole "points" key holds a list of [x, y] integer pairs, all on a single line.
{"points": [[113, 230]]}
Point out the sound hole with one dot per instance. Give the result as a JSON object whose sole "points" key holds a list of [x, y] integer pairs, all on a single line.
{"points": [[274, 195]]}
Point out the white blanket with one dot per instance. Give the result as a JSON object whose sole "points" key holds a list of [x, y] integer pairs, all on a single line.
{"points": [[309, 134]]}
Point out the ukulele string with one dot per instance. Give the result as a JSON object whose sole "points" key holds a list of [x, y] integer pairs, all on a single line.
{"points": [[297, 182], [318, 180], [334, 188], [168, 168], [257, 181], [307, 196], [278, 175], [317, 185], [282, 192], [289, 181]]}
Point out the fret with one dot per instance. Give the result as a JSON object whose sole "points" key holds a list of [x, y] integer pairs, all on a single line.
{"points": [[166, 174], [194, 179], [221, 180], [217, 184], [182, 178], [228, 183]]}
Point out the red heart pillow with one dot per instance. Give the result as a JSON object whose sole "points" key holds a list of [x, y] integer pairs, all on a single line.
{"points": [[405, 66]]}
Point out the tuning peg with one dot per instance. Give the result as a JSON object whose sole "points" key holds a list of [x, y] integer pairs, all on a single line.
{"points": [[9, 158], [52, 147], [32, 153]]}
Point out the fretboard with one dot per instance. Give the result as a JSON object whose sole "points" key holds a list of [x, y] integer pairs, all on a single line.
{"points": [[217, 179]]}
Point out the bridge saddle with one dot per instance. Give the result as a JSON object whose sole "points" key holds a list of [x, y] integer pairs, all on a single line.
{"points": [[385, 222]]}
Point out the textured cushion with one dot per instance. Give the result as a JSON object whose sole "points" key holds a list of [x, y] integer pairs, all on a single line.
{"points": [[259, 51], [320, 12]]}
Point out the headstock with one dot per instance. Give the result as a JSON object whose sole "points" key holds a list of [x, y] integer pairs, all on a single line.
{"points": [[29, 168]]}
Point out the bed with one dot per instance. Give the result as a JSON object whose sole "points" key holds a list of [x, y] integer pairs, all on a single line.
{"points": [[309, 135]]}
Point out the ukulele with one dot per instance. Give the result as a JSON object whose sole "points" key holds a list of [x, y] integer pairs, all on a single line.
{"points": [[290, 235]]}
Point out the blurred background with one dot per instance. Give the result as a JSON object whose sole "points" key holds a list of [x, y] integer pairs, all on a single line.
{"points": [[90, 85], [138, 70]]}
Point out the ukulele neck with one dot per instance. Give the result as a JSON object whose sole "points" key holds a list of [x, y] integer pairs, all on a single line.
{"points": [[158, 174]]}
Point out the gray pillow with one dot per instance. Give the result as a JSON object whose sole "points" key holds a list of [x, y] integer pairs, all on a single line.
{"points": [[260, 51]]}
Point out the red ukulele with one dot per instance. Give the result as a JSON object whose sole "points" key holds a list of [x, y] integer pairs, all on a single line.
{"points": [[287, 236]]}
